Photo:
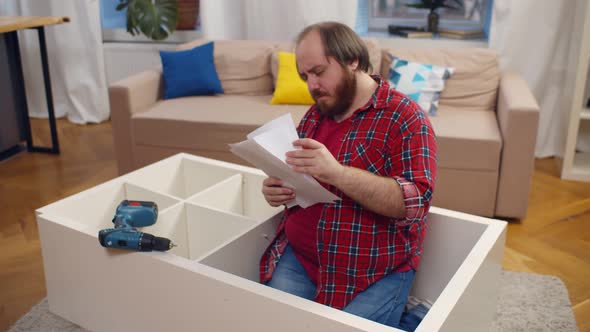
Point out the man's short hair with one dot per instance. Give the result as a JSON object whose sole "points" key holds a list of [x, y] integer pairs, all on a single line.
{"points": [[341, 43]]}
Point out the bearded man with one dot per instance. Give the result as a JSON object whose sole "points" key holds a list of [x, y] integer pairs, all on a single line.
{"points": [[374, 148]]}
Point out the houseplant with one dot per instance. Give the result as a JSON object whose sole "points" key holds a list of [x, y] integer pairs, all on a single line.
{"points": [[154, 18], [433, 5]]}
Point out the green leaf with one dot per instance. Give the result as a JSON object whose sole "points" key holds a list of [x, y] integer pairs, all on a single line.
{"points": [[154, 18]]}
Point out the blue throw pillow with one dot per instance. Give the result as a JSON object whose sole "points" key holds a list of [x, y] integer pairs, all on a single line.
{"points": [[190, 73], [421, 82]]}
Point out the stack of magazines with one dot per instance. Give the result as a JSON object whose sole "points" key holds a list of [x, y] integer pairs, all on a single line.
{"points": [[445, 32], [461, 33], [409, 31]]}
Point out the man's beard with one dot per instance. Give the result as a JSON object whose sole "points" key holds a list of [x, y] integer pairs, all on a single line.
{"points": [[343, 96]]}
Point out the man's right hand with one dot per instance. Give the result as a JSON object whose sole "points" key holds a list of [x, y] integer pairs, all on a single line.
{"points": [[275, 193]]}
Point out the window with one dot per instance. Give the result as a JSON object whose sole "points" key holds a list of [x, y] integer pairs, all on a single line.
{"points": [[381, 13], [110, 17]]}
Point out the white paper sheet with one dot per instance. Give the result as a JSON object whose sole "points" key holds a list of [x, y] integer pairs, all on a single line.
{"points": [[266, 147]]}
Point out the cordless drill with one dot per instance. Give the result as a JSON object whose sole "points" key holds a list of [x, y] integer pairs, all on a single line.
{"points": [[131, 214]]}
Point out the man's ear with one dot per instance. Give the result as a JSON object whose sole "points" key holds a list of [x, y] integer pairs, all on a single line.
{"points": [[354, 65]]}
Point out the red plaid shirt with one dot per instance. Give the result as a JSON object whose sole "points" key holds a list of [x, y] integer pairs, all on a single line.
{"points": [[390, 136]]}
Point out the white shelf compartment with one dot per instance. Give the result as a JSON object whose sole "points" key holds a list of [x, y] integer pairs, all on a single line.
{"points": [[239, 195], [95, 209], [581, 167], [196, 230], [181, 177]]}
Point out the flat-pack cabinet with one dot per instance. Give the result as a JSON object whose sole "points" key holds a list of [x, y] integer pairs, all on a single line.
{"points": [[217, 216]]}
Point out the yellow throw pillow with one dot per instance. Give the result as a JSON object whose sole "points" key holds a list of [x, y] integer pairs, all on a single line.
{"points": [[290, 89]]}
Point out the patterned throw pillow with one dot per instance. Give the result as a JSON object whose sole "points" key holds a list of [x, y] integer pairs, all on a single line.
{"points": [[421, 82]]}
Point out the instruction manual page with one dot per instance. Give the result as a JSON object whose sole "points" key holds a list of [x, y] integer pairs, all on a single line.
{"points": [[266, 147]]}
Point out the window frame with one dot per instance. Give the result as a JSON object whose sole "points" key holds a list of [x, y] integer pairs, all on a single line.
{"points": [[377, 23]]}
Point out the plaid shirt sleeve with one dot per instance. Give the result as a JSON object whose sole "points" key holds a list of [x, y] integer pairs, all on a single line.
{"points": [[415, 171]]}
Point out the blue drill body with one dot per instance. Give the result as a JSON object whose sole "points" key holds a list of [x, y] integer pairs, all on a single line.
{"points": [[129, 215]]}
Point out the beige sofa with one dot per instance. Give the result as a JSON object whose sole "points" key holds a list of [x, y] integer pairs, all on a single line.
{"points": [[486, 125]]}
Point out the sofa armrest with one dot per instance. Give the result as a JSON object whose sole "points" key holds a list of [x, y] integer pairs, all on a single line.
{"points": [[518, 118], [131, 95]]}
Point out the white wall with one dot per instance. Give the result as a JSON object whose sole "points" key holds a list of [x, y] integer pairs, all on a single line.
{"points": [[125, 59]]}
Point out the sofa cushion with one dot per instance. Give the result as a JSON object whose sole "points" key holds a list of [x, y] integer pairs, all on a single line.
{"points": [[467, 139], [474, 84], [206, 122], [420, 81], [290, 88], [371, 43], [243, 66], [190, 72]]}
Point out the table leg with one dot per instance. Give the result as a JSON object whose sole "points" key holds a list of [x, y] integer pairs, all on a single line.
{"points": [[19, 82], [48, 95], [18, 79]]}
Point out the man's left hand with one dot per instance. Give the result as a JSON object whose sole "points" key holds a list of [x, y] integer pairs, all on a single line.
{"points": [[316, 160]]}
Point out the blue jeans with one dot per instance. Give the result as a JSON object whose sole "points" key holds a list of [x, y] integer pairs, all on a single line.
{"points": [[383, 302]]}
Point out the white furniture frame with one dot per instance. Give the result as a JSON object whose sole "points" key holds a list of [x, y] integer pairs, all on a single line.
{"points": [[215, 212], [575, 165]]}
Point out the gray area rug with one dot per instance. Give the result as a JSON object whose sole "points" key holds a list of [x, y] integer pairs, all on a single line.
{"points": [[528, 302], [533, 303]]}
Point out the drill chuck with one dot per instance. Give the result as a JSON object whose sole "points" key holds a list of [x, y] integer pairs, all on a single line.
{"points": [[148, 242]]}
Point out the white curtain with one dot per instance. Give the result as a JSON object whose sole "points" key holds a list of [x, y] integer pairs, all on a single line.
{"points": [[533, 39], [271, 19], [75, 57]]}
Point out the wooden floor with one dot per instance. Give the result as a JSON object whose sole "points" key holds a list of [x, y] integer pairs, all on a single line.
{"points": [[554, 238]]}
